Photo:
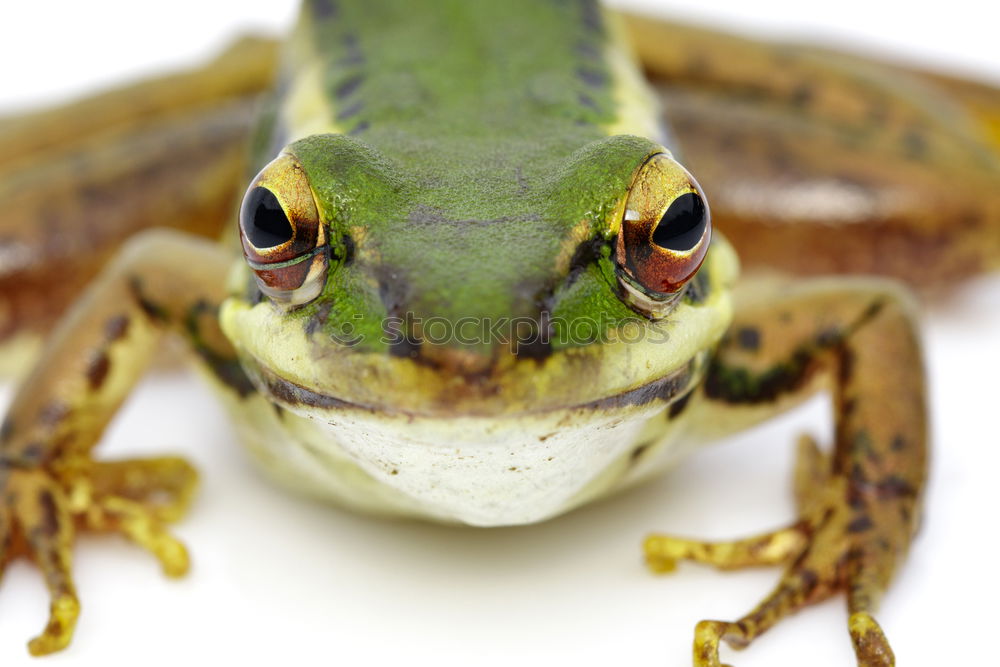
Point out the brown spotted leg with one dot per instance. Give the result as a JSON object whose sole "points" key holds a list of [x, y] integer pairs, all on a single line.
{"points": [[49, 484], [858, 507]]}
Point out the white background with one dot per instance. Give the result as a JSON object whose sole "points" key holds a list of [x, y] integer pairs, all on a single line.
{"points": [[277, 579]]}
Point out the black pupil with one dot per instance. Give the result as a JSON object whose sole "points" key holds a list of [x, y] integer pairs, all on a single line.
{"points": [[683, 225], [263, 220]]}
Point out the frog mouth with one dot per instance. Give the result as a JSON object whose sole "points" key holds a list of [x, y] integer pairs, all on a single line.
{"points": [[662, 391]]}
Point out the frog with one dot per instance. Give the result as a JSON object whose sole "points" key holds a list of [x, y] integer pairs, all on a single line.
{"points": [[388, 166]]}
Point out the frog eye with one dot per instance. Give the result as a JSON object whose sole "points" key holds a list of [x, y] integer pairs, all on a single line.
{"points": [[665, 233], [284, 241]]}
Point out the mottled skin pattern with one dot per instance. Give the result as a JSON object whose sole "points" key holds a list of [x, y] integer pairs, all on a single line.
{"points": [[858, 509], [800, 127], [804, 148]]}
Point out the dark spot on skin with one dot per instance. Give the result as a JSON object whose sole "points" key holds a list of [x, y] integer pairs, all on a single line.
{"points": [[319, 318], [905, 513], [898, 444], [116, 328], [522, 182], [914, 144], [862, 446], [407, 347], [779, 159], [354, 55], [845, 366], [829, 336], [802, 94], [33, 452], [225, 367], [748, 338], [678, 406], [593, 78], [739, 385], [537, 348], [638, 452], [48, 525], [878, 113], [347, 88], [587, 101], [359, 128], [53, 413], [590, 14], [394, 472], [324, 9], [848, 407], [808, 580], [874, 308], [152, 310], [228, 371], [97, 371], [588, 50], [894, 486], [698, 289], [697, 66], [860, 524], [350, 111], [857, 476], [731, 141]]}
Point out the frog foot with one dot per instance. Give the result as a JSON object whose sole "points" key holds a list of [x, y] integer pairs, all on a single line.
{"points": [[838, 544], [41, 508]]}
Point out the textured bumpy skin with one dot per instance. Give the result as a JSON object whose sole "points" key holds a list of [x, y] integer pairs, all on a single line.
{"points": [[457, 185]]}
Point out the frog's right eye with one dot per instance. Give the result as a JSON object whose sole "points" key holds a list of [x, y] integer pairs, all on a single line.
{"points": [[284, 241]]}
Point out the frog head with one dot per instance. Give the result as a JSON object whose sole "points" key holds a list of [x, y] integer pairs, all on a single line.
{"points": [[477, 286]]}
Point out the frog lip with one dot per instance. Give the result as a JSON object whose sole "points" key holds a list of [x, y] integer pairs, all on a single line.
{"points": [[663, 391]]}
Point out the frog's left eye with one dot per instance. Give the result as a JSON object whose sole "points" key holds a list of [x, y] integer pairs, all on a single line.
{"points": [[283, 238], [665, 233]]}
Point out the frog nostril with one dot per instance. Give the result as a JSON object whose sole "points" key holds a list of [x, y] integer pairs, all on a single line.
{"points": [[264, 221]]}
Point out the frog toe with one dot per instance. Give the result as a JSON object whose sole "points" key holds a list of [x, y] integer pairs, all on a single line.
{"points": [[63, 613], [165, 485], [35, 521], [870, 645], [845, 542], [141, 525]]}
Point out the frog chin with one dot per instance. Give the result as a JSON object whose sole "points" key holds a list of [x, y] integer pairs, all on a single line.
{"points": [[486, 470]]}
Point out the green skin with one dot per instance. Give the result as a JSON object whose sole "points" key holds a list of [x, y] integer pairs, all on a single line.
{"points": [[457, 178], [471, 174]]}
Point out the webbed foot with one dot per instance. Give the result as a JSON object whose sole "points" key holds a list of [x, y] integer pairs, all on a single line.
{"points": [[842, 541], [40, 509]]}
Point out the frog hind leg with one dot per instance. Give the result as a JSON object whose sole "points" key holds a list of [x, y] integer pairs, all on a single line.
{"points": [[857, 507], [79, 179]]}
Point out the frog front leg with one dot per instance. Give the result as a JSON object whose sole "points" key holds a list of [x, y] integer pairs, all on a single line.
{"points": [[49, 483], [858, 507]]}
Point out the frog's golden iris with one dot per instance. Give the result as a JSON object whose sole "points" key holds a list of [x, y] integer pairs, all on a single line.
{"points": [[665, 234], [283, 239]]}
